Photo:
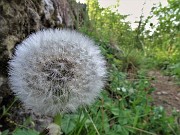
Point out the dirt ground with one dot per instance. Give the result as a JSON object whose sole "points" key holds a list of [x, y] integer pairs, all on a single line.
{"points": [[167, 93]]}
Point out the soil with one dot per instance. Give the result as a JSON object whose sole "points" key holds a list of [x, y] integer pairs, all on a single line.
{"points": [[167, 93]]}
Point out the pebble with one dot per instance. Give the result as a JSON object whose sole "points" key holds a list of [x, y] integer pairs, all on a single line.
{"points": [[164, 92], [177, 98]]}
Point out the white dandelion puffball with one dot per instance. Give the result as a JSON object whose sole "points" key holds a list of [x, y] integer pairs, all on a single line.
{"points": [[56, 71]]}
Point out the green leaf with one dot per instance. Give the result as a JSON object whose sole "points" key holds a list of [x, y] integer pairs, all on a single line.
{"points": [[19, 131], [68, 124], [4, 132], [115, 111]]}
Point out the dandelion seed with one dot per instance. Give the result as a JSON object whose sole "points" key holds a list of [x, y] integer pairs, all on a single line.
{"points": [[56, 71]]}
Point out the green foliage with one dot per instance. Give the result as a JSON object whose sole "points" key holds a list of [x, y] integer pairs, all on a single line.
{"points": [[107, 26], [131, 60], [5, 111], [124, 108], [19, 131], [5, 132], [163, 46]]}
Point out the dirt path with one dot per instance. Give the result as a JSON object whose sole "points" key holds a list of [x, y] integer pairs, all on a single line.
{"points": [[167, 93]]}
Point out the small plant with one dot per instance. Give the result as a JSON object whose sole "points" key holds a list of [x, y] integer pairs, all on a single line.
{"points": [[131, 61]]}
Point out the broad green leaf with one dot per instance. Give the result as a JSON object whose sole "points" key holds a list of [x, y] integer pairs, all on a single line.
{"points": [[19, 131], [68, 124]]}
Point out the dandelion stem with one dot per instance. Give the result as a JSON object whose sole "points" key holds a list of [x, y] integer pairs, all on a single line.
{"points": [[5, 111], [172, 129], [92, 122], [57, 119], [141, 130]]}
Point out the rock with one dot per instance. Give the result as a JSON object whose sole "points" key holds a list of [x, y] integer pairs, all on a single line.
{"points": [[159, 93], [164, 92], [177, 98]]}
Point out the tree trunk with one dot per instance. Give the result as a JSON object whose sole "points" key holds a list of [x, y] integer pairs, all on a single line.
{"points": [[18, 19]]}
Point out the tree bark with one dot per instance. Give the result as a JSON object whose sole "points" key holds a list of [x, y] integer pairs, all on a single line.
{"points": [[18, 19]]}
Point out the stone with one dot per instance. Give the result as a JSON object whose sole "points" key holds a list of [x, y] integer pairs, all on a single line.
{"points": [[164, 92], [177, 98], [159, 93]]}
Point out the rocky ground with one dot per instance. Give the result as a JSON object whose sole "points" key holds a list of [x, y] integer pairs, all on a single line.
{"points": [[167, 93]]}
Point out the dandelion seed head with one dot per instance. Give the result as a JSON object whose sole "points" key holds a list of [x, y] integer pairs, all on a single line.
{"points": [[56, 71]]}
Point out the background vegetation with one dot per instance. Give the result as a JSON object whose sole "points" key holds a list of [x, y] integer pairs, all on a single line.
{"points": [[125, 105]]}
